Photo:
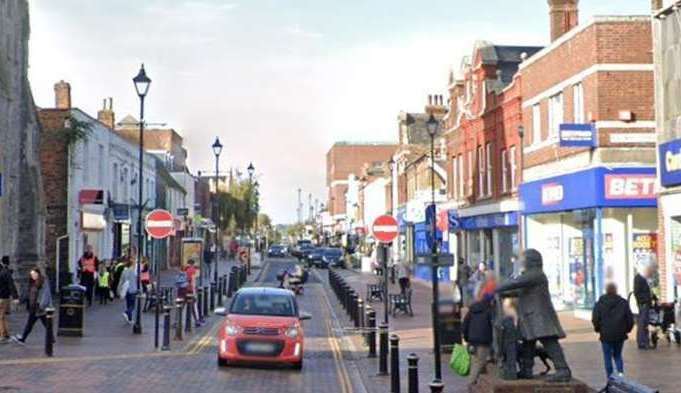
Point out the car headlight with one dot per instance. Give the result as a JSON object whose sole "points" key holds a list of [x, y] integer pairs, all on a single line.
{"points": [[232, 330], [292, 332]]}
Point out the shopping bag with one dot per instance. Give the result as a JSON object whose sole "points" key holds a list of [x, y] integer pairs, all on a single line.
{"points": [[460, 361]]}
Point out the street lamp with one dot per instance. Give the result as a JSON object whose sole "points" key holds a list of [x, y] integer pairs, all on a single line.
{"points": [[217, 149], [391, 164], [521, 136], [142, 83], [433, 125]]}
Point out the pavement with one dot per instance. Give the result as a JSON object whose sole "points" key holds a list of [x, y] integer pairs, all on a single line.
{"points": [[657, 368]]}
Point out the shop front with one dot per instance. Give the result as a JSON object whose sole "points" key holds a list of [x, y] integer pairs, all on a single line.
{"points": [[592, 227], [670, 203]]}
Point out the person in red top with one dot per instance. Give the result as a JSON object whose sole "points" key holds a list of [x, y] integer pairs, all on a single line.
{"points": [[192, 273], [88, 265], [488, 287]]}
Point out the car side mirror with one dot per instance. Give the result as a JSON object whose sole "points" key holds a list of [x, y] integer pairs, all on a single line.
{"points": [[221, 311], [305, 316]]}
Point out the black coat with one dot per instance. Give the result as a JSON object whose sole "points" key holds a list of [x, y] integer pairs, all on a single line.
{"points": [[612, 318], [477, 324], [7, 288], [642, 290]]}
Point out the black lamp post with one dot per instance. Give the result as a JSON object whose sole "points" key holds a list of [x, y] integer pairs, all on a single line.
{"points": [[251, 173], [142, 83], [217, 149], [256, 207], [391, 164], [433, 126]]}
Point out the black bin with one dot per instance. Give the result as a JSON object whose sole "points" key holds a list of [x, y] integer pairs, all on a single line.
{"points": [[450, 324], [71, 311]]}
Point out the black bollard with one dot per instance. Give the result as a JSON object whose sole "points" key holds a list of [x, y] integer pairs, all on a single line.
{"points": [[413, 370], [198, 299], [179, 305], [189, 314], [49, 332], [213, 293], [371, 336], [360, 313], [394, 363], [221, 291], [157, 315], [231, 287], [225, 281], [206, 295], [383, 349], [436, 386], [166, 328]]}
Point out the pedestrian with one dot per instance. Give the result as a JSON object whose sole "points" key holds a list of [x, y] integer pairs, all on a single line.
{"points": [[463, 274], [145, 276], [477, 331], [8, 295], [477, 280], [38, 300], [118, 269], [103, 284], [488, 286], [88, 266], [613, 320], [128, 289], [644, 298], [192, 273], [404, 277]]}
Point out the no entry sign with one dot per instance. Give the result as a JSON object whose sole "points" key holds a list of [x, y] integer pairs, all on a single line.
{"points": [[160, 224], [385, 229]]}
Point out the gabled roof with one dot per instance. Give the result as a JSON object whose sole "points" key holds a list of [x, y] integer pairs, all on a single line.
{"points": [[506, 58]]}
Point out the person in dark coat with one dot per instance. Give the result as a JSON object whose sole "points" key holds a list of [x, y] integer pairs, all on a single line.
{"points": [[537, 319], [644, 299], [38, 300], [613, 320], [477, 331], [8, 295]]}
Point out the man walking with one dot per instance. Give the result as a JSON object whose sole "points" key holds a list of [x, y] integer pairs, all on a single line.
{"points": [[613, 320], [8, 294], [88, 265], [644, 298]]}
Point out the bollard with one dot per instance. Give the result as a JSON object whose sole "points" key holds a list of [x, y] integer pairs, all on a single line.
{"points": [[213, 293], [179, 305], [189, 313], [231, 287], [206, 310], [413, 376], [355, 309], [371, 337], [221, 291], [166, 328], [49, 332], [436, 386], [383, 350], [157, 312], [394, 363], [224, 283], [198, 299], [360, 313]]}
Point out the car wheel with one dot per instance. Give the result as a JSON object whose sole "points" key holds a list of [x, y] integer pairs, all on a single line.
{"points": [[222, 362], [298, 366]]}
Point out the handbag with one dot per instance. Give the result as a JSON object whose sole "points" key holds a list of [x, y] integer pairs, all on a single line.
{"points": [[123, 290], [460, 362]]}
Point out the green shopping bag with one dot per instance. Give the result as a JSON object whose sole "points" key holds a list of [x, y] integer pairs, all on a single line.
{"points": [[460, 361]]}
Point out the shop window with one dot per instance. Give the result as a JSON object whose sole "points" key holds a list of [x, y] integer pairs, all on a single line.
{"points": [[536, 123], [513, 168]]}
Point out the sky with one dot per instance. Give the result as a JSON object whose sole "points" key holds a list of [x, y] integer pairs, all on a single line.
{"points": [[279, 81]]}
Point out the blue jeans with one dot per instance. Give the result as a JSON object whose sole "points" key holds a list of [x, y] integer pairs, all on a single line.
{"points": [[130, 298], [612, 350]]}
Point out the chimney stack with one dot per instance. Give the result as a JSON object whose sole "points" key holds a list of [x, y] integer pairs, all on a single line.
{"points": [[656, 5], [106, 115], [564, 16], [62, 95]]}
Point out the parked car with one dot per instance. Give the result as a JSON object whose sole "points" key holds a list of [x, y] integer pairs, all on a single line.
{"points": [[314, 257], [332, 257], [262, 326], [300, 249], [276, 251]]}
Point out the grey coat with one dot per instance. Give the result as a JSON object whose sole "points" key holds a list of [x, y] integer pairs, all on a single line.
{"points": [[536, 316]]}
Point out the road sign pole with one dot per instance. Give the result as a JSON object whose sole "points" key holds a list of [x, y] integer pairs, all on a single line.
{"points": [[386, 304]]}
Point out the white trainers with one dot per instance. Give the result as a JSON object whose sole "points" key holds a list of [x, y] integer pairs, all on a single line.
{"points": [[17, 339]]}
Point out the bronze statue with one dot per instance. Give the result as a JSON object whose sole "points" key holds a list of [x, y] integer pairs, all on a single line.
{"points": [[537, 319]]}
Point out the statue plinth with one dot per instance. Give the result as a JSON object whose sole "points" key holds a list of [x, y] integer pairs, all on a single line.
{"points": [[490, 383]]}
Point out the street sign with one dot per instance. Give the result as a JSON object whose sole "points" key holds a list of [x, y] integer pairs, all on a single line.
{"points": [[443, 260], [160, 224], [385, 229], [183, 211]]}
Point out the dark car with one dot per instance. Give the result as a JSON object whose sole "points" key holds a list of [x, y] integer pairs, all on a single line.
{"points": [[314, 257], [332, 257], [276, 251], [301, 249]]}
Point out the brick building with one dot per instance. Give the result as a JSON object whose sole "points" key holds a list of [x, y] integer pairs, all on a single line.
{"points": [[344, 162], [483, 149], [588, 189], [164, 142]]}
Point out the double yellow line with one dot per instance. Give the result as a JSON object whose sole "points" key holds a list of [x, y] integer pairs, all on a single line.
{"points": [[201, 342], [341, 370]]}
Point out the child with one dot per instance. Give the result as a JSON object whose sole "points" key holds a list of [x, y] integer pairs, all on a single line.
{"points": [[103, 284], [477, 331]]}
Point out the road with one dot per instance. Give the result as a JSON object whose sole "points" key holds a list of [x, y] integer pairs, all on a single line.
{"points": [[195, 369]]}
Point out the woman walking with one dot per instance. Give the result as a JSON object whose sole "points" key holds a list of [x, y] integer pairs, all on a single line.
{"points": [[403, 277], [38, 300], [127, 288], [612, 318]]}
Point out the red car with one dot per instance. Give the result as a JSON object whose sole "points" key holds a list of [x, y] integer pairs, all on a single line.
{"points": [[262, 325]]}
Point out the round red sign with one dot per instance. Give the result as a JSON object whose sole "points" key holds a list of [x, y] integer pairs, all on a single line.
{"points": [[385, 229], [160, 224]]}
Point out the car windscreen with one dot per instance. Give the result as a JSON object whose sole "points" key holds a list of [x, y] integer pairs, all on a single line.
{"points": [[333, 252], [263, 304]]}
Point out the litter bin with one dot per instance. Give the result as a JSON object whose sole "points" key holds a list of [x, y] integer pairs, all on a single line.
{"points": [[71, 311], [450, 324]]}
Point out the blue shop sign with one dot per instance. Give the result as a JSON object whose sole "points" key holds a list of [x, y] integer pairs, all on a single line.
{"points": [[454, 221], [488, 221], [596, 187], [670, 163], [121, 212], [425, 272], [578, 135]]}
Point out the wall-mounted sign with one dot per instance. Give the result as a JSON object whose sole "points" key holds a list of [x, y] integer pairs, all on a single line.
{"points": [[670, 163], [91, 197], [183, 211], [578, 135], [552, 193], [630, 186], [632, 137], [121, 212], [92, 221]]}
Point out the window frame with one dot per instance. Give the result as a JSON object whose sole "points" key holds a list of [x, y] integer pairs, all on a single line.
{"points": [[578, 109], [504, 171], [513, 167], [536, 124], [489, 166], [556, 114]]}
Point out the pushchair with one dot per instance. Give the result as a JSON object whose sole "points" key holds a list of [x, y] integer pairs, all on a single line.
{"points": [[662, 320], [295, 281]]}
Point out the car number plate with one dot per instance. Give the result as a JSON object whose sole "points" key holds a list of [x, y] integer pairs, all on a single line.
{"points": [[260, 347]]}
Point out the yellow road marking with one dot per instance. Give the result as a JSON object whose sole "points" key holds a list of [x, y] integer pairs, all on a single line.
{"points": [[341, 370]]}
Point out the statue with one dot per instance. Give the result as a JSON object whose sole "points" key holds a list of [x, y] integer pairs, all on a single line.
{"points": [[537, 319]]}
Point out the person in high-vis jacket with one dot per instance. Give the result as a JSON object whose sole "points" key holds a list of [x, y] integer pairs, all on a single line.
{"points": [[88, 265]]}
